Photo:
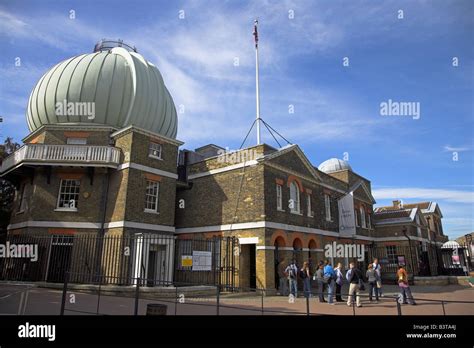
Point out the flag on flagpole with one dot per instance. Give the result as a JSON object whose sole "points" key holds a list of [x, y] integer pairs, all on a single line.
{"points": [[255, 33]]}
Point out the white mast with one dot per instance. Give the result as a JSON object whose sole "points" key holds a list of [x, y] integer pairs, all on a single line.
{"points": [[255, 34]]}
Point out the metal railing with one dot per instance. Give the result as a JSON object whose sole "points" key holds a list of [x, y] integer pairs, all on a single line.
{"points": [[38, 153], [247, 301]]}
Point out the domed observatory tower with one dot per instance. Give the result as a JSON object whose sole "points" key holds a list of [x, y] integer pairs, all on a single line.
{"points": [[101, 156]]}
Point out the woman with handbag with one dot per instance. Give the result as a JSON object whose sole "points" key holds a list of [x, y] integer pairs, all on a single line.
{"points": [[372, 279]]}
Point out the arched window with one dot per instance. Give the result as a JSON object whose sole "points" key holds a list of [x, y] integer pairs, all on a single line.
{"points": [[362, 217], [294, 198]]}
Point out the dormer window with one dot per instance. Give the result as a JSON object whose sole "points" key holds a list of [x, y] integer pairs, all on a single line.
{"points": [[154, 150]]}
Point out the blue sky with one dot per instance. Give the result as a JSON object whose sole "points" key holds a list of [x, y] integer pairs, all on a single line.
{"points": [[302, 46]]}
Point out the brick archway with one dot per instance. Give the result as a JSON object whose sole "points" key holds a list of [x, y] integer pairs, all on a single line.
{"points": [[298, 182], [279, 234]]}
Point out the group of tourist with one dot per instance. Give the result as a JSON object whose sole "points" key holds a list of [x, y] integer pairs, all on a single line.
{"points": [[331, 279]]}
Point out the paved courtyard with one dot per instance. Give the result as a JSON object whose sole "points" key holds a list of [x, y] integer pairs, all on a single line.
{"points": [[43, 301]]}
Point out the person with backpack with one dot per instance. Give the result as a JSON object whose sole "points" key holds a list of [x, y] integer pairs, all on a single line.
{"points": [[329, 279], [405, 292], [305, 275], [354, 277], [319, 277], [372, 279], [339, 282], [292, 273], [378, 271]]}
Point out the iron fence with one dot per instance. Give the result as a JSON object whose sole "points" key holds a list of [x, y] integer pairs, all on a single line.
{"points": [[156, 259]]}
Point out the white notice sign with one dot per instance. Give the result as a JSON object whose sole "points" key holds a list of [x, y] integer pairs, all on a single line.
{"points": [[346, 216], [202, 260]]}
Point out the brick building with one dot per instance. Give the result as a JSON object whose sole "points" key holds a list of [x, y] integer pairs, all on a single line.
{"points": [[118, 172]]}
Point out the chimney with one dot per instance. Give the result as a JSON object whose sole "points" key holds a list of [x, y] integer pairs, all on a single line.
{"points": [[397, 204]]}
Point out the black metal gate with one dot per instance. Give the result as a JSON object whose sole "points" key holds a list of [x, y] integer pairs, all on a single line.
{"points": [[160, 259]]}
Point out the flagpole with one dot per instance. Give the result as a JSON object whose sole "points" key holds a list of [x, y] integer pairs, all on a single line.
{"points": [[255, 33]]}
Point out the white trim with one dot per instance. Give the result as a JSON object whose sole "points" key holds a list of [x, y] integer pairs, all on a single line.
{"points": [[217, 228], [147, 169], [248, 240], [54, 224], [147, 133], [265, 247], [90, 225], [223, 169], [285, 227], [139, 225]]}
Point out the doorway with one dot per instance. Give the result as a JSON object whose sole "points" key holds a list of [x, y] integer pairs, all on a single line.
{"points": [[59, 258]]}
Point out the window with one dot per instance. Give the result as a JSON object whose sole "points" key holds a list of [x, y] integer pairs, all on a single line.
{"points": [[392, 254], [362, 217], [69, 194], [154, 150], [151, 196], [21, 199], [327, 205], [76, 141], [356, 216], [279, 197], [418, 228], [294, 198], [308, 200], [369, 222]]}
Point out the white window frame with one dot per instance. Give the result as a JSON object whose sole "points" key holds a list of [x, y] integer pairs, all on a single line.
{"points": [[279, 197], [156, 197], [310, 208], [369, 222], [356, 216], [74, 208], [155, 147], [296, 200], [362, 217], [327, 206], [76, 141], [418, 228], [391, 251]]}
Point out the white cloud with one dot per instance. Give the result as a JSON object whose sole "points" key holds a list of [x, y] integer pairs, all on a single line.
{"points": [[448, 148], [425, 193]]}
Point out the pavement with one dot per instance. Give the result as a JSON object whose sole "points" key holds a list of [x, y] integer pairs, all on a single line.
{"points": [[44, 301]]}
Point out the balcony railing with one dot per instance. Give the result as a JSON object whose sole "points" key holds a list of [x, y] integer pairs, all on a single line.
{"points": [[63, 154]]}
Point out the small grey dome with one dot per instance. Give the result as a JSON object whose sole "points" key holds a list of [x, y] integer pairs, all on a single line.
{"points": [[124, 88], [334, 165]]}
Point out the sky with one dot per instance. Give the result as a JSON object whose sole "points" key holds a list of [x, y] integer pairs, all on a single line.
{"points": [[326, 67]]}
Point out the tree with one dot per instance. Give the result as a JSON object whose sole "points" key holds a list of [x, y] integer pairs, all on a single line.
{"points": [[7, 190]]}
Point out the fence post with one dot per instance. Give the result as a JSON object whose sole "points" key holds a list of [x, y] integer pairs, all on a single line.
{"points": [[353, 303], [442, 304], [307, 305], [137, 294], [217, 299], [399, 306], [98, 296], [63, 302], [176, 301]]}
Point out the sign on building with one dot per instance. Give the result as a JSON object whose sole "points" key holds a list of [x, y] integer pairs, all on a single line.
{"points": [[346, 216], [202, 260], [186, 261]]}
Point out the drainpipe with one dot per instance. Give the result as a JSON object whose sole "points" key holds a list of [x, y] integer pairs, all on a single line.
{"points": [[100, 239], [404, 230]]}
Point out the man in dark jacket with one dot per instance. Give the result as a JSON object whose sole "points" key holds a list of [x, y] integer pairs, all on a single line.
{"points": [[354, 277]]}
